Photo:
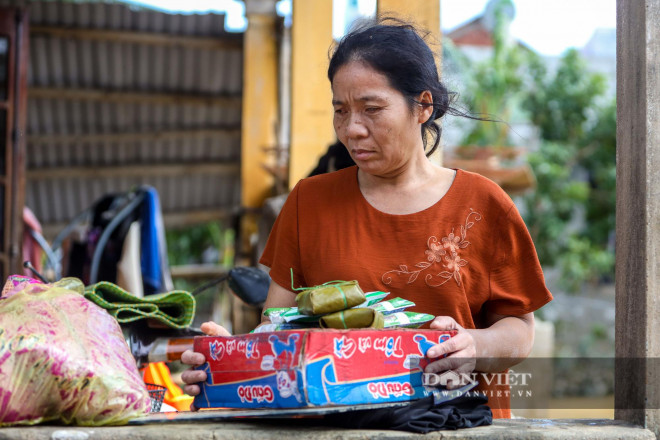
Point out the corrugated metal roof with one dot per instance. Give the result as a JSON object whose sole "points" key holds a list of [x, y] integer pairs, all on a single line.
{"points": [[113, 86], [118, 16]]}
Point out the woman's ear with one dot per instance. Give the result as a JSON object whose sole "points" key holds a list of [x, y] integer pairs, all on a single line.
{"points": [[426, 106]]}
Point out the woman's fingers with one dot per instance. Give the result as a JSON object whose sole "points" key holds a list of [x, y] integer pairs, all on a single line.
{"points": [[192, 358], [457, 354], [461, 342], [445, 323], [193, 376], [452, 372], [210, 328], [453, 363], [191, 390]]}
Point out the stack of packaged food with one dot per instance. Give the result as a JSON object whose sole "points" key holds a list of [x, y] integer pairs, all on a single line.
{"points": [[343, 305]]}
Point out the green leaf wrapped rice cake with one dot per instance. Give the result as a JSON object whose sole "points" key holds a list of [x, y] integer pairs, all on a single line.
{"points": [[330, 297], [353, 318]]}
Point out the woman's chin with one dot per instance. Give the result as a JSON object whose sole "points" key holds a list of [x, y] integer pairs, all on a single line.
{"points": [[367, 166], [373, 169]]}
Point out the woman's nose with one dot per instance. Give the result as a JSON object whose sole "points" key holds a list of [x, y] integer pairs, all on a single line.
{"points": [[355, 128]]}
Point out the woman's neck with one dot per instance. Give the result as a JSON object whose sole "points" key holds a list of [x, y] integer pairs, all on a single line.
{"points": [[414, 173], [410, 191]]}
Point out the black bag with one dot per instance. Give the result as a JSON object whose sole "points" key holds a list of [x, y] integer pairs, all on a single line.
{"points": [[104, 211], [420, 416]]}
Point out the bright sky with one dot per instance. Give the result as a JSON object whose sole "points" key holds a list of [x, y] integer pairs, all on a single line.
{"points": [[548, 26]]}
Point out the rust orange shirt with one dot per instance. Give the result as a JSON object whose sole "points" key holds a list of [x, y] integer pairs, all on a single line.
{"points": [[467, 254]]}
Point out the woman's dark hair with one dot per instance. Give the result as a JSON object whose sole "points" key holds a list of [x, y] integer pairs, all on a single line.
{"points": [[397, 50]]}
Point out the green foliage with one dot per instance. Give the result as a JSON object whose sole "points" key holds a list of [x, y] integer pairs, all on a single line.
{"points": [[495, 84], [560, 106], [204, 243], [551, 207], [598, 158], [584, 260], [571, 214], [578, 138], [186, 245]]}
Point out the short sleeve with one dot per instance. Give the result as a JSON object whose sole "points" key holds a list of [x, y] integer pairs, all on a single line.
{"points": [[282, 251], [516, 280]]}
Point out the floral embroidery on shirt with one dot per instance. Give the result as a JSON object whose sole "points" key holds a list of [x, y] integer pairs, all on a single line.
{"points": [[444, 252]]}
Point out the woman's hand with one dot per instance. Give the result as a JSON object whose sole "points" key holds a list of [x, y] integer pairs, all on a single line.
{"points": [[457, 354], [191, 376], [505, 341]]}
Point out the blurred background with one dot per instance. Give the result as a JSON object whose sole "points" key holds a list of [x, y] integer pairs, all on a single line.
{"points": [[222, 106]]}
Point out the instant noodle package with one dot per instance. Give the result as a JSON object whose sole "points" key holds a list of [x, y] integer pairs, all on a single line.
{"points": [[310, 367]]}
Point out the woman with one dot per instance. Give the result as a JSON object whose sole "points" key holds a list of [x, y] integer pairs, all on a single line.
{"points": [[448, 240]]}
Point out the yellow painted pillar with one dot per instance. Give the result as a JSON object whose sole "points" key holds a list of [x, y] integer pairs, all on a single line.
{"points": [[423, 13], [259, 117], [311, 98]]}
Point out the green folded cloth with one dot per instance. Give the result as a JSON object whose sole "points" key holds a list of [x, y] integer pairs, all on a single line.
{"points": [[175, 309]]}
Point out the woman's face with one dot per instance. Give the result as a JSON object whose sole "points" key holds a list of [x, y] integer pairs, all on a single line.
{"points": [[374, 120]]}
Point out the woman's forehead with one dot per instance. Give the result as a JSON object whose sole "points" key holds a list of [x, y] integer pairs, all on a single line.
{"points": [[366, 96], [359, 82], [360, 68]]}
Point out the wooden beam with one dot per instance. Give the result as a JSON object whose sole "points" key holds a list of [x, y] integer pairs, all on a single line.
{"points": [[259, 119], [637, 342], [225, 42], [132, 97], [179, 219], [170, 220], [99, 138], [18, 62], [311, 97], [198, 271], [231, 168]]}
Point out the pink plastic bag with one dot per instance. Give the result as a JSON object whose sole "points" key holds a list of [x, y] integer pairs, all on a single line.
{"points": [[64, 358]]}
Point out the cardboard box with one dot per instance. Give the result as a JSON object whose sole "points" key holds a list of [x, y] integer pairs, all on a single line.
{"points": [[303, 368]]}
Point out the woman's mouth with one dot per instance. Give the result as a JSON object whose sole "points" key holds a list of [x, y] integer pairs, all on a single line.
{"points": [[360, 154]]}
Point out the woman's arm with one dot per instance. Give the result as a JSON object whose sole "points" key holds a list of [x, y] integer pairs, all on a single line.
{"points": [[278, 296], [506, 341]]}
